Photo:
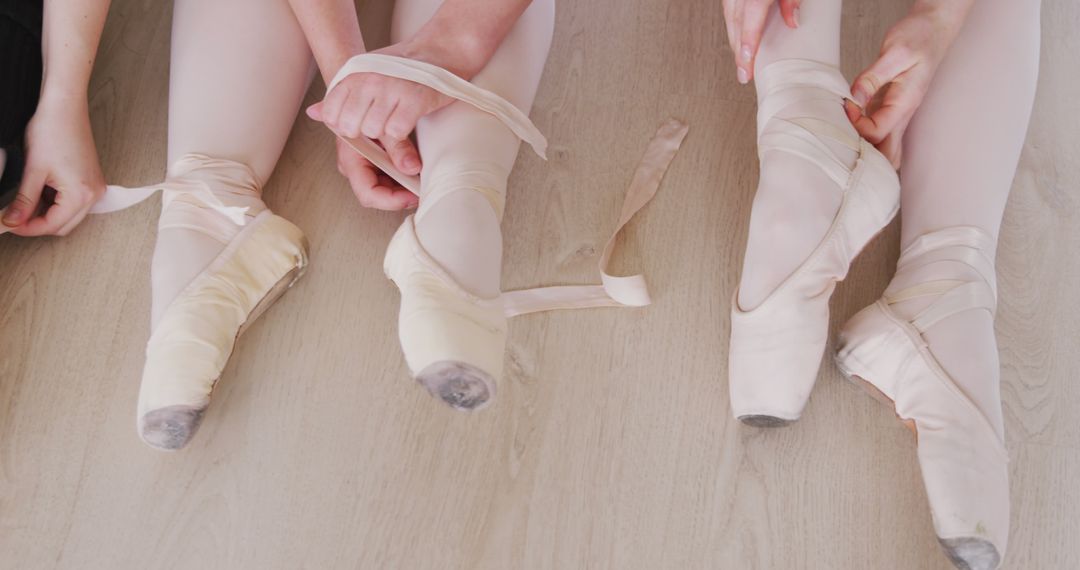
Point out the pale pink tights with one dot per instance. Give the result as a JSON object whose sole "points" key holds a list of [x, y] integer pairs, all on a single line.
{"points": [[960, 153]]}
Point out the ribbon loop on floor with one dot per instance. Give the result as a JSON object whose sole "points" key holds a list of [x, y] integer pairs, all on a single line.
{"points": [[614, 291]]}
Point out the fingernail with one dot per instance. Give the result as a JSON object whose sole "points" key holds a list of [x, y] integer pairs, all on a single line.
{"points": [[745, 54], [411, 163], [311, 112], [742, 76], [795, 16], [11, 215]]}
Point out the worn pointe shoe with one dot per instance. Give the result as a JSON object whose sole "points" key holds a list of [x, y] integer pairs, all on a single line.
{"points": [[203, 303], [453, 341], [194, 339], [776, 347], [962, 455]]}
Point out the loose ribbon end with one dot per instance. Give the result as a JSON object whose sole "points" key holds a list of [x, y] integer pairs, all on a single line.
{"points": [[540, 147]]}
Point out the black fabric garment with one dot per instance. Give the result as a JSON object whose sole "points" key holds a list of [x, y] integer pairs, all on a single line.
{"points": [[20, 83]]}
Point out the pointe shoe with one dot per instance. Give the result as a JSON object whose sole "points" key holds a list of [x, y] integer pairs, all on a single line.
{"points": [[195, 332], [194, 339], [962, 455], [453, 341], [777, 346]]}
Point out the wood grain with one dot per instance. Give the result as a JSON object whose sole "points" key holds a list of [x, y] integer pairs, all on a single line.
{"points": [[611, 445]]}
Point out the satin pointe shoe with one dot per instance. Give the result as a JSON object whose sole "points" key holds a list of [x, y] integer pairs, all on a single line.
{"points": [[453, 341], [776, 347], [221, 259], [961, 453]]}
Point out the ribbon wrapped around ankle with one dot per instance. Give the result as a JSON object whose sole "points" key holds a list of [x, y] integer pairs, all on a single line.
{"points": [[613, 291], [229, 176]]}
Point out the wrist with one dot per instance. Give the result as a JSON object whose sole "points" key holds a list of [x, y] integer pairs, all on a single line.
{"points": [[947, 15], [333, 58], [461, 50], [58, 93], [330, 65]]}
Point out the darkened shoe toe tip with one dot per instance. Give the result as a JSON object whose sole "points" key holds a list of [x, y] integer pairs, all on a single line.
{"points": [[970, 553], [461, 386], [763, 421], [170, 428]]}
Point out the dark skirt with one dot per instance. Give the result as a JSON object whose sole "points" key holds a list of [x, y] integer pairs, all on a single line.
{"points": [[20, 83]]}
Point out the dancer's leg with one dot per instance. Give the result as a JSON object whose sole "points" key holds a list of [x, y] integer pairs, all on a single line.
{"points": [[795, 201], [817, 38], [455, 346], [929, 343], [960, 155], [239, 72], [963, 144], [461, 231]]}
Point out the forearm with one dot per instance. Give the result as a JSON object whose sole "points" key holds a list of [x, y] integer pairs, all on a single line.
{"points": [[72, 30], [461, 36], [948, 15], [332, 30], [467, 32]]}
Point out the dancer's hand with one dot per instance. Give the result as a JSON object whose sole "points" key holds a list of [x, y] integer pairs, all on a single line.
{"points": [[385, 108], [372, 187], [886, 95], [745, 21], [461, 37], [60, 155]]}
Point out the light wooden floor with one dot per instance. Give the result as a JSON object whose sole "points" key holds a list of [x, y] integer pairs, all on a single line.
{"points": [[611, 445]]}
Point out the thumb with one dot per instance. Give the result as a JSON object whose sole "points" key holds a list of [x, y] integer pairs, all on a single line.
{"points": [[26, 201], [315, 111], [887, 67]]}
